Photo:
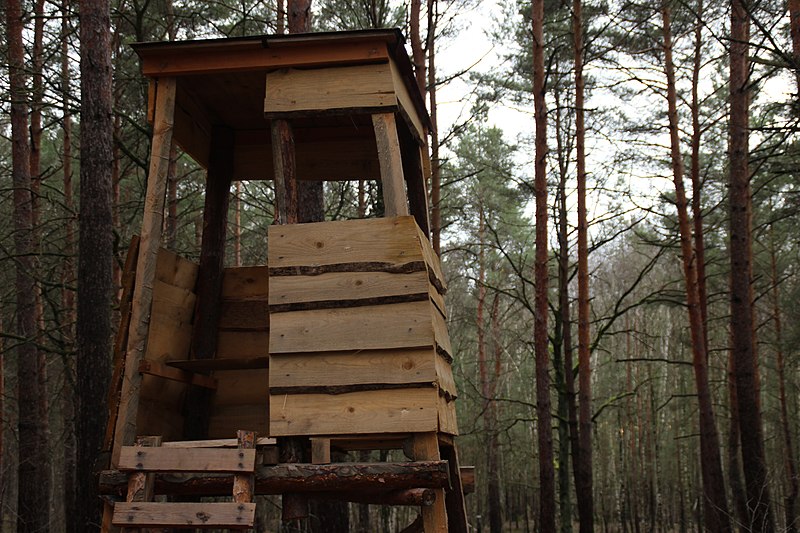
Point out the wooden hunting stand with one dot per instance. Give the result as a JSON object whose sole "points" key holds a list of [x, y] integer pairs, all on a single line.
{"points": [[340, 342]]}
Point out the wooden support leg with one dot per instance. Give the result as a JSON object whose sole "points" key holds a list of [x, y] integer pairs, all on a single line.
{"points": [[140, 484], [243, 484], [394, 192], [454, 499], [295, 506], [434, 517]]}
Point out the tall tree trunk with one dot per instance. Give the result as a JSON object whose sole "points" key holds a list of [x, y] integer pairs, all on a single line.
{"points": [[794, 30], [493, 449], [436, 165], [417, 52], [583, 469], [716, 507], [742, 325], [237, 226], [95, 253], [547, 504], [792, 482], [68, 275], [562, 344], [33, 476]]}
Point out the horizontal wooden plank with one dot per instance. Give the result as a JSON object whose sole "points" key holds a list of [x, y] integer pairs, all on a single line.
{"points": [[403, 325], [226, 420], [242, 344], [215, 443], [155, 368], [440, 333], [447, 417], [210, 365], [347, 368], [173, 302], [241, 283], [437, 299], [338, 286], [444, 377], [325, 89], [256, 57], [383, 240], [195, 515], [432, 260], [140, 459], [357, 412], [404, 99], [175, 270], [244, 315]]}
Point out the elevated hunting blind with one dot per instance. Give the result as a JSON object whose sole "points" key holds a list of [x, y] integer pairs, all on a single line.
{"points": [[339, 342]]}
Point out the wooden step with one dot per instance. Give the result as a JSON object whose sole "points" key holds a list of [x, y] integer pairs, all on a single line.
{"points": [[208, 365], [139, 459], [184, 515]]}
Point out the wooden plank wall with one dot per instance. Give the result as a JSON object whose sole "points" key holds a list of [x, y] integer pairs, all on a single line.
{"points": [[241, 400], [358, 338], [169, 337]]}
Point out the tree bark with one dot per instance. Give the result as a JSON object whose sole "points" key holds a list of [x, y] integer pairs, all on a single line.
{"points": [[583, 469], [794, 30], [792, 482], [716, 508], [741, 295], [95, 253], [547, 506], [33, 503]]}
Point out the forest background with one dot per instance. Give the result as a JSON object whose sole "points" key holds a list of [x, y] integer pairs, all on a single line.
{"points": [[615, 204]]}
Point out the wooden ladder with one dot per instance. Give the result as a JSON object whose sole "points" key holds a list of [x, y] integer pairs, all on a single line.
{"points": [[147, 458]]}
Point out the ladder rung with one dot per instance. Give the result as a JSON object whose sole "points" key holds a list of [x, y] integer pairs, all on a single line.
{"points": [[189, 515], [142, 459]]}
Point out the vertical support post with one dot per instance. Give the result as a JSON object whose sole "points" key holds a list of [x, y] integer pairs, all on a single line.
{"points": [[140, 484], [209, 279], [295, 506], [243, 484], [454, 499], [414, 174], [391, 164], [426, 448], [283, 157], [149, 242]]}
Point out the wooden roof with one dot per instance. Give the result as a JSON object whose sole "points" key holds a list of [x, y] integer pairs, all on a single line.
{"points": [[232, 68]]}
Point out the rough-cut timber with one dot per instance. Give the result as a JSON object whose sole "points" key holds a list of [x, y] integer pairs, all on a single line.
{"points": [[194, 515], [331, 283], [150, 238]]}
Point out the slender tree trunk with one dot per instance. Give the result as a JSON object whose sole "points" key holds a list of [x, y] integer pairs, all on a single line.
{"points": [[794, 30], [493, 450], [280, 18], [96, 252], [792, 482], [583, 469], [716, 509], [417, 52], [33, 500], [562, 344], [734, 468], [237, 226], [547, 504], [436, 166], [742, 325]]}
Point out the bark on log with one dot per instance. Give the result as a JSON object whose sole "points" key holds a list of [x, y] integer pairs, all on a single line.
{"points": [[302, 477]]}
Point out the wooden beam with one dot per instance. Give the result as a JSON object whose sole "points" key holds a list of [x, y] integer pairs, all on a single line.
{"points": [[394, 191], [285, 172], [195, 515], [141, 485], [253, 56], [426, 448], [243, 484], [154, 368], [320, 451], [209, 281], [415, 178], [160, 459], [209, 365], [150, 240], [454, 498], [299, 477], [121, 340]]}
